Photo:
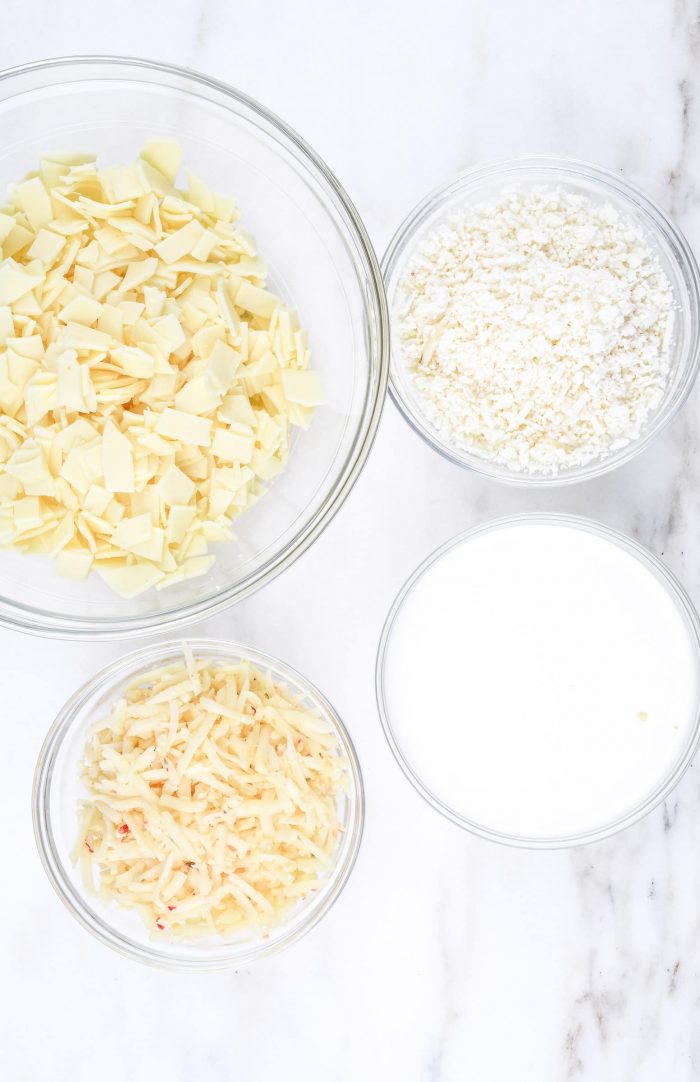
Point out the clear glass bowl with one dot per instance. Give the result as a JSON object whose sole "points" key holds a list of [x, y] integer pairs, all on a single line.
{"points": [[412, 769], [57, 790], [321, 261], [580, 178]]}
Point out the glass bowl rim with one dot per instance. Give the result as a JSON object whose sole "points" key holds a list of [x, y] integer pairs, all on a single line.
{"points": [[35, 621], [231, 956], [674, 589], [408, 233]]}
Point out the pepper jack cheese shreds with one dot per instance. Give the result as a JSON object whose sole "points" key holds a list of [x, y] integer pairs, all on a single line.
{"points": [[211, 806], [148, 379]]}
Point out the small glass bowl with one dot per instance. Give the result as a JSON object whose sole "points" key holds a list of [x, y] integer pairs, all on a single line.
{"points": [[579, 178], [412, 769], [57, 790], [321, 262]]}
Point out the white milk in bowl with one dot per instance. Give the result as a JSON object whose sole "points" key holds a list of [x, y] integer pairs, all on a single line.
{"points": [[539, 680]]}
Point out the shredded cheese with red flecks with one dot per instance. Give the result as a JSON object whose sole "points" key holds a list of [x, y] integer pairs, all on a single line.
{"points": [[212, 800]]}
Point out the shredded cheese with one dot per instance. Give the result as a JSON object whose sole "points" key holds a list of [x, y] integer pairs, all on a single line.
{"points": [[212, 800], [146, 372]]}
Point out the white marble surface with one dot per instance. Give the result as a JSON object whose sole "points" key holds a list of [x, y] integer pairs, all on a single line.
{"points": [[447, 958]]}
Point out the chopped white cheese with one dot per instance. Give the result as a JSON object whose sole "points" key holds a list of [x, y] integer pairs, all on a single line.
{"points": [[148, 378]]}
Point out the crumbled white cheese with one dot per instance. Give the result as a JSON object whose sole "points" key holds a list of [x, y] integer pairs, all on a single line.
{"points": [[148, 379], [536, 330], [212, 800]]}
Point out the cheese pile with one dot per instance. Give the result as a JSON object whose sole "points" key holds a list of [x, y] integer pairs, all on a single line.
{"points": [[212, 800], [536, 330], [148, 380]]}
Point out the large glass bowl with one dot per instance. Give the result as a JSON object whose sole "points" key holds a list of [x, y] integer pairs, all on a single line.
{"points": [[321, 262], [578, 178], [57, 790]]}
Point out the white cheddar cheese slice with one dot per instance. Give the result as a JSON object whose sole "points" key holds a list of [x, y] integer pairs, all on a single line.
{"points": [[175, 487], [236, 408], [303, 388], [165, 155], [16, 281], [222, 366], [134, 361], [184, 427], [140, 536], [69, 383], [129, 580], [74, 563], [35, 201], [230, 446], [81, 309], [117, 460], [181, 242], [256, 300], [180, 518], [197, 396], [46, 246]]}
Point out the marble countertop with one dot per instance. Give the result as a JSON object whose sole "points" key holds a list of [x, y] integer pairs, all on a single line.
{"points": [[447, 958]]}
